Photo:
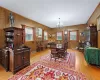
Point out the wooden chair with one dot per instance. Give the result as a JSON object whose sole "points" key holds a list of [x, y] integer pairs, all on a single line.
{"points": [[39, 46], [62, 53], [65, 46], [58, 53], [53, 45], [54, 54]]}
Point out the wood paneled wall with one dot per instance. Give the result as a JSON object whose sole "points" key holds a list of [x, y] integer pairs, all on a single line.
{"points": [[93, 20], [2, 25], [19, 20], [95, 14], [98, 39]]}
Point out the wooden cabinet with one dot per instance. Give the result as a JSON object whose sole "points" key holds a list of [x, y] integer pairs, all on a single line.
{"points": [[19, 37], [14, 37], [15, 60], [26, 56], [91, 35], [19, 59]]}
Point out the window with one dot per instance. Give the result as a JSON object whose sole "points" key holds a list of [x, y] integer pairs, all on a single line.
{"points": [[59, 35], [45, 35], [38, 32], [73, 35], [28, 34]]}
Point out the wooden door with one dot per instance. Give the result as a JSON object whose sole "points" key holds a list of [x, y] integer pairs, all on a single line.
{"points": [[73, 38], [18, 59], [26, 56]]}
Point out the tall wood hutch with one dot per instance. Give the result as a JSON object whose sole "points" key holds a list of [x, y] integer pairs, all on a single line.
{"points": [[91, 35], [18, 55]]}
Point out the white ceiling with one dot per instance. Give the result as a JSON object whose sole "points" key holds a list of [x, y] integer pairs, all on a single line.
{"points": [[47, 12]]}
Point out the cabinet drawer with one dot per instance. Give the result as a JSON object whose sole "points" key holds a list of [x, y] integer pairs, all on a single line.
{"points": [[26, 50], [18, 52]]}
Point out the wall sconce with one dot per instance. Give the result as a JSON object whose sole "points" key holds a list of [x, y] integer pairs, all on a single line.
{"points": [[65, 32], [81, 33]]}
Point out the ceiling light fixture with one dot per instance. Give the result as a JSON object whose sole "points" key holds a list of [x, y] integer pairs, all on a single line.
{"points": [[59, 24]]}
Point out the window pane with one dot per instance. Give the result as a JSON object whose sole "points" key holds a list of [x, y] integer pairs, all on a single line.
{"points": [[28, 34], [28, 30], [45, 35], [73, 36], [39, 32], [59, 35]]}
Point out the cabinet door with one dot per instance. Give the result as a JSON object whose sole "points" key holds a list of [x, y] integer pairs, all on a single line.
{"points": [[5, 60], [15, 38], [18, 57], [20, 37], [93, 39], [26, 56], [0, 56]]}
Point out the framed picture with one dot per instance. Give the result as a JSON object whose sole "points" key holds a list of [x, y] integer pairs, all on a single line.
{"points": [[98, 23]]}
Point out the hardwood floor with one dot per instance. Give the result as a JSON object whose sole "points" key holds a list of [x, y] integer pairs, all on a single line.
{"points": [[91, 72]]}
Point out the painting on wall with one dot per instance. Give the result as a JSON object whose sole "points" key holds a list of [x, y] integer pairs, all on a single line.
{"points": [[98, 23]]}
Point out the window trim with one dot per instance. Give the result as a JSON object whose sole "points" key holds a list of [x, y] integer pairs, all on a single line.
{"points": [[41, 34], [32, 35], [47, 35], [77, 36]]}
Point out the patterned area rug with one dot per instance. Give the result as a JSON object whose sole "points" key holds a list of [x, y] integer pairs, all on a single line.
{"points": [[69, 62], [38, 71]]}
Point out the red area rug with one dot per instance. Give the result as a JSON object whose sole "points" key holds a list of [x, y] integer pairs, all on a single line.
{"points": [[69, 62], [47, 69], [37, 71]]}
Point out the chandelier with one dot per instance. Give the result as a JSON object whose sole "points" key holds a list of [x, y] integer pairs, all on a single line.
{"points": [[59, 24]]}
